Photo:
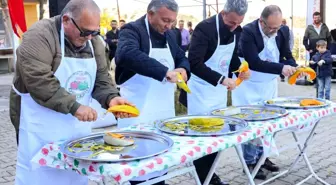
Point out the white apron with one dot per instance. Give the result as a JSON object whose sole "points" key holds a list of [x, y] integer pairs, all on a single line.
{"points": [[154, 99], [260, 86], [104, 119], [206, 97], [40, 125]]}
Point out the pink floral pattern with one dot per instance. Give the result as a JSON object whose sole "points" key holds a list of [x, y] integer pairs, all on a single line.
{"points": [[185, 149]]}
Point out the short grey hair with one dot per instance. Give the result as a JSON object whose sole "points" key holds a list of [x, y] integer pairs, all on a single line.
{"points": [[270, 10], [237, 6], [74, 8], [154, 5]]}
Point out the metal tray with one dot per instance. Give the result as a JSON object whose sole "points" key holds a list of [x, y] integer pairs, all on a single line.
{"points": [[294, 103], [256, 113], [231, 126], [146, 144]]}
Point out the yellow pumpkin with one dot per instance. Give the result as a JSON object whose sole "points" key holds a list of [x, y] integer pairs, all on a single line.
{"points": [[311, 75], [181, 83], [244, 67], [125, 109]]}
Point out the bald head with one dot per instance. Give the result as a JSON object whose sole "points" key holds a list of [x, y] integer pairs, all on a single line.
{"points": [[75, 8]]}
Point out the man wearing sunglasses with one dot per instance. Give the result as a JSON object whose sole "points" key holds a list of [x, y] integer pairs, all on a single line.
{"points": [[61, 67], [264, 44]]}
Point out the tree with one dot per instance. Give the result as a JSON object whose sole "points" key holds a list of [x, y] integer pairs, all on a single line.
{"points": [[105, 20], [42, 10]]}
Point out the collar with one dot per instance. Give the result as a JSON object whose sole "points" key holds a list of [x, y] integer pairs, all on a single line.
{"points": [[262, 32]]}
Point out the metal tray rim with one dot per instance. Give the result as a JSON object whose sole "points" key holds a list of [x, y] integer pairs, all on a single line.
{"points": [[201, 116], [156, 136], [297, 97], [286, 112]]}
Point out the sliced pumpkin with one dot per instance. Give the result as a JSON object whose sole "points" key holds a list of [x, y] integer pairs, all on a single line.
{"points": [[311, 75], [181, 83], [206, 122], [125, 109], [310, 102], [244, 67], [115, 135]]}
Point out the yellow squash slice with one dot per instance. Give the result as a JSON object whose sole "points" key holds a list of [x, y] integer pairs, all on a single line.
{"points": [[244, 67], [181, 83], [311, 75], [125, 109]]}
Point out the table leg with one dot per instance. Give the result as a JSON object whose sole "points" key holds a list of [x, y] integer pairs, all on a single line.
{"points": [[242, 161]]}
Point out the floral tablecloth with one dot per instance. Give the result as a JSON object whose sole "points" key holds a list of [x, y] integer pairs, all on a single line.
{"points": [[185, 149]]}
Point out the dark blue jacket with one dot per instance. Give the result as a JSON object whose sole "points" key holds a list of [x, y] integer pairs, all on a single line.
{"points": [[133, 49], [251, 44], [326, 69]]}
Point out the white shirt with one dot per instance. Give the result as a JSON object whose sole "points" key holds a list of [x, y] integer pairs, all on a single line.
{"points": [[317, 28], [265, 37]]}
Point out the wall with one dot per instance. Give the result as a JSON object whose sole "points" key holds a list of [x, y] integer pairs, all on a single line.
{"points": [[31, 13]]}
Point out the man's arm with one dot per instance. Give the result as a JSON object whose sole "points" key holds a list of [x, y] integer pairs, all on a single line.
{"points": [[35, 60], [328, 38], [130, 56], [197, 51], [305, 39], [250, 52], [103, 90]]}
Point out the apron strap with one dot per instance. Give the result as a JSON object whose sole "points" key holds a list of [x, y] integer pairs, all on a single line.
{"points": [[62, 40], [91, 47], [16, 91], [147, 28], [217, 27]]}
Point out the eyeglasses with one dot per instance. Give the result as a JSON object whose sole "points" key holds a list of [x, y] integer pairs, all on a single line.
{"points": [[270, 28], [85, 33]]}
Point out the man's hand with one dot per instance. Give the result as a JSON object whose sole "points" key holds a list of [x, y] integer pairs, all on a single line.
{"points": [[114, 40], [245, 75], [85, 113], [183, 72], [321, 62], [120, 101], [310, 51], [231, 84], [288, 70], [312, 62], [172, 76]]}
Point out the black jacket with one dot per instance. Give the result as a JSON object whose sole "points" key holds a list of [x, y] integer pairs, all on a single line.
{"points": [[203, 44], [133, 49], [110, 35], [251, 44], [326, 69]]}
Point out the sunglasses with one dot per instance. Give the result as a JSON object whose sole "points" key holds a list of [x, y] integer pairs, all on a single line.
{"points": [[85, 33]]}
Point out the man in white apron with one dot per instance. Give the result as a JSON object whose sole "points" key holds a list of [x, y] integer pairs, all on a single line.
{"points": [[263, 43], [148, 60], [60, 68], [213, 57]]}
